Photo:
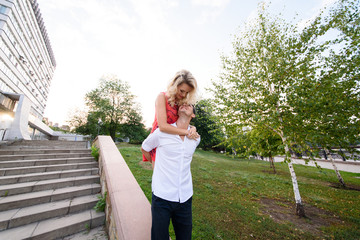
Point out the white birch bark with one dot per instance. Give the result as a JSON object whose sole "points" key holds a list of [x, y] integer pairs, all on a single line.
{"points": [[341, 180], [299, 206]]}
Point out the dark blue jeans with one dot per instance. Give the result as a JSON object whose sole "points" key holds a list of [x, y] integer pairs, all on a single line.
{"points": [[180, 214]]}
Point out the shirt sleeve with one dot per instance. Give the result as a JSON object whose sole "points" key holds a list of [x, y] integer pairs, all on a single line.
{"points": [[197, 141], [152, 141]]}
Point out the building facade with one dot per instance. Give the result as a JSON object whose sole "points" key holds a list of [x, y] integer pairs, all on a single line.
{"points": [[27, 65]]}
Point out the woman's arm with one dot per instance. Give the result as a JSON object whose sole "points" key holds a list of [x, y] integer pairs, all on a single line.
{"points": [[146, 154], [148, 157], [160, 108]]}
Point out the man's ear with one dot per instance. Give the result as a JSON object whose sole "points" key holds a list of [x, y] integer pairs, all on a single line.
{"points": [[192, 116]]}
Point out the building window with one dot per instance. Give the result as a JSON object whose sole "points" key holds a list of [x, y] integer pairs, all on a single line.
{"points": [[3, 9]]}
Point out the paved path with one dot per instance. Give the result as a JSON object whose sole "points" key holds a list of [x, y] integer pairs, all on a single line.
{"points": [[97, 233], [348, 166]]}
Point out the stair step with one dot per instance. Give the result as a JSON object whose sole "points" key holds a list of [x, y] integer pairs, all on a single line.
{"points": [[41, 151], [29, 199], [56, 228], [22, 216], [48, 190], [45, 144], [46, 168], [43, 156], [12, 179], [98, 233], [27, 163], [27, 187]]}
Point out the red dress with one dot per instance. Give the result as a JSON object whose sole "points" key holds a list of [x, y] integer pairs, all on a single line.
{"points": [[172, 116]]}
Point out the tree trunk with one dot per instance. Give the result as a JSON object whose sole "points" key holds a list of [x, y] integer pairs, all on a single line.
{"points": [[325, 155], [300, 211], [342, 154], [341, 180], [112, 130], [272, 165]]}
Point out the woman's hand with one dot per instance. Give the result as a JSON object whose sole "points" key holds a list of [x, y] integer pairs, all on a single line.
{"points": [[192, 134]]}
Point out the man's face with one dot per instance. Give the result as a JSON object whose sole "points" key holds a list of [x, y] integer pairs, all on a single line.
{"points": [[187, 110]]}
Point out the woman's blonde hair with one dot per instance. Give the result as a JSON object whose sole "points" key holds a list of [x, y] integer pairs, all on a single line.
{"points": [[182, 76]]}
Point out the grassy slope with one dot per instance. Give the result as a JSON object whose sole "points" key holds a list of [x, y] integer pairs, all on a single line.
{"points": [[228, 195]]}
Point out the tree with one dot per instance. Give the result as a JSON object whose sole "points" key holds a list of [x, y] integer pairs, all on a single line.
{"points": [[336, 117], [113, 101], [134, 129], [111, 110], [87, 123], [266, 83], [288, 81], [257, 83], [77, 118], [265, 143], [205, 123], [238, 142]]}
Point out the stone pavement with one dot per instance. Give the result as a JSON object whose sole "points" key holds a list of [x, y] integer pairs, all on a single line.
{"points": [[347, 166], [97, 233]]}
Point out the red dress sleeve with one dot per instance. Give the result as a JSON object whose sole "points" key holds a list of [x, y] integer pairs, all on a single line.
{"points": [[172, 116]]}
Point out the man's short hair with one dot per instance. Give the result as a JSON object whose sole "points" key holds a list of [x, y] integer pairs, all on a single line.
{"points": [[194, 109]]}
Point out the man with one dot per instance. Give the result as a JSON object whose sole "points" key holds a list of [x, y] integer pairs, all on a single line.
{"points": [[171, 181]]}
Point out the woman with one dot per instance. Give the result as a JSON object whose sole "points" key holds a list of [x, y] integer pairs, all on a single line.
{"points": [[182, 89]]}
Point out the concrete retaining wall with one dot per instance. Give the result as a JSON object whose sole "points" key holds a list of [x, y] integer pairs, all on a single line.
{"points": [[128, 212]]}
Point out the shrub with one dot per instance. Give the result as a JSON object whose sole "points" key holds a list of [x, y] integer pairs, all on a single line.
{"points": [[95, 152], [101, 204]]}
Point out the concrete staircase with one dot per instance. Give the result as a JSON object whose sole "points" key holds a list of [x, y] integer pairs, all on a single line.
{"points": [[47, 190]]}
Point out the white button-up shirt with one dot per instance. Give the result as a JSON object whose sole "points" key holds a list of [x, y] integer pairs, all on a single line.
{"points": [[171, 178]]}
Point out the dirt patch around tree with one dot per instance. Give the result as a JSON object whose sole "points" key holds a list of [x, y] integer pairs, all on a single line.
{"points": [[348, 186], [284, 212]]}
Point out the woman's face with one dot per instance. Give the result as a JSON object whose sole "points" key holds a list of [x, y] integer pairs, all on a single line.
{"points": [[182, 91]]}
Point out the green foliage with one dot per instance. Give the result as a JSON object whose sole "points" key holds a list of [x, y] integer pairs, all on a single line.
{"points": [[112, 101], [95, 152], [206, 125], [134, 129], [256, 88], [238, 141], [58, 129], [229, 194], [85, 123], [291, 82], [101, 204], [265, 143], [112, 111], [87, 227], [334, 116]]}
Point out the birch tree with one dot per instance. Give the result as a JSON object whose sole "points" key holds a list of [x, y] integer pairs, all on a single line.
{"points": [[334, 118], [294, 83], [267, 77]]}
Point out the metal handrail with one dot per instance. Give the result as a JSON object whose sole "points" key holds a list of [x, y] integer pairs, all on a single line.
{"points": [[2, 135]]}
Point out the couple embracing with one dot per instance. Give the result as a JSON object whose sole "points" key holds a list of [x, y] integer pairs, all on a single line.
{"points": [[170, 148]]}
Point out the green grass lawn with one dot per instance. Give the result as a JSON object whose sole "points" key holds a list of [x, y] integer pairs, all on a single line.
{"points": [[242, 199]]}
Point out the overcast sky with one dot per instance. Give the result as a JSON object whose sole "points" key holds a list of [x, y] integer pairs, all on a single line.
{"points": [[144, 42]]}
